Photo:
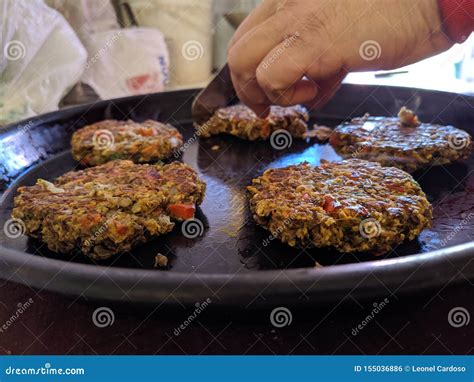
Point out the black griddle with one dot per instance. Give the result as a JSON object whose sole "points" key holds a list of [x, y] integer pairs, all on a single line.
{"points": [[233, 263]]}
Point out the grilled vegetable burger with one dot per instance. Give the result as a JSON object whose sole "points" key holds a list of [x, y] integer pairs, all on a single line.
{"points": [[108, 140], [402, 142], [108, 209], [353, 206], [241, 121]]}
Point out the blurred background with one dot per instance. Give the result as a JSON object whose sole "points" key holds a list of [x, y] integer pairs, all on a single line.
{"points": [[58, 53]]}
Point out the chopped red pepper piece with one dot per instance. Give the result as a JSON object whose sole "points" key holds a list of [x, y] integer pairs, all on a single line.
{"points": [[395, 187], [182, 211], [328, 204]]}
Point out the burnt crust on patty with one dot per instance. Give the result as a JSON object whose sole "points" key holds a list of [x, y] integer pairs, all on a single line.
{"points": [[353, 206], [108, 140], [108, 209], [391, 142], [241, 121]]}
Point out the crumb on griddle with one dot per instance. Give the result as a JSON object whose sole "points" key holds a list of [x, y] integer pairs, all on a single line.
{"points": [[408, 118], [161, 261]]}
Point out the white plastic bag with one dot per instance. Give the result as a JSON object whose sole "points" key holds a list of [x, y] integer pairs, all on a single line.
{"points": [[41, 59], [126, 62]]}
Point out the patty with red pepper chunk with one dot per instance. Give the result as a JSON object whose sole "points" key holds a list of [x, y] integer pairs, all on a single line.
{"points": [[241, 121], [402, 142], [108, 140], [353, 206], [109, 209]]}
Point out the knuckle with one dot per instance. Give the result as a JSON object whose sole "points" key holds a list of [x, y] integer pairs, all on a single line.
{"points": [[269, 84]]}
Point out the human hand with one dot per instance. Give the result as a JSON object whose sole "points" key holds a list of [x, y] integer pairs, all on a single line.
{"points": [[299, 51]]}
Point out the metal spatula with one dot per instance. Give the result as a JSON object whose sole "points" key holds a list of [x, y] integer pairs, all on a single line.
{"points": [[219, 93]]}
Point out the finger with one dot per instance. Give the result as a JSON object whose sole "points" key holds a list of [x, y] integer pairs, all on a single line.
{"points": [[243, 62], [286, 66], [326, 90], [261, 109], [256, 17], [248, 52]]}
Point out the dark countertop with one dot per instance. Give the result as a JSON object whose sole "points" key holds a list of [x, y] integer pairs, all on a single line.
{"points": [[54, 324]]}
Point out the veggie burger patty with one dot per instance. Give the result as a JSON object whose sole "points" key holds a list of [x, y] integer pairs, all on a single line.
{"points": [[241, 121], [108, 209], [353, 205], [108, 140], [401, 142]]}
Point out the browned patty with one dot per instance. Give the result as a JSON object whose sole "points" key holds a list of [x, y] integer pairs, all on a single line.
{"points": [[108, 140], [353, 205], [391, 142], [108, 209], [241, 121]]}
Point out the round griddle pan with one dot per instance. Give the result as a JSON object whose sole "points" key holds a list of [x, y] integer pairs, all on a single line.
{"points": [[234, 262]]}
